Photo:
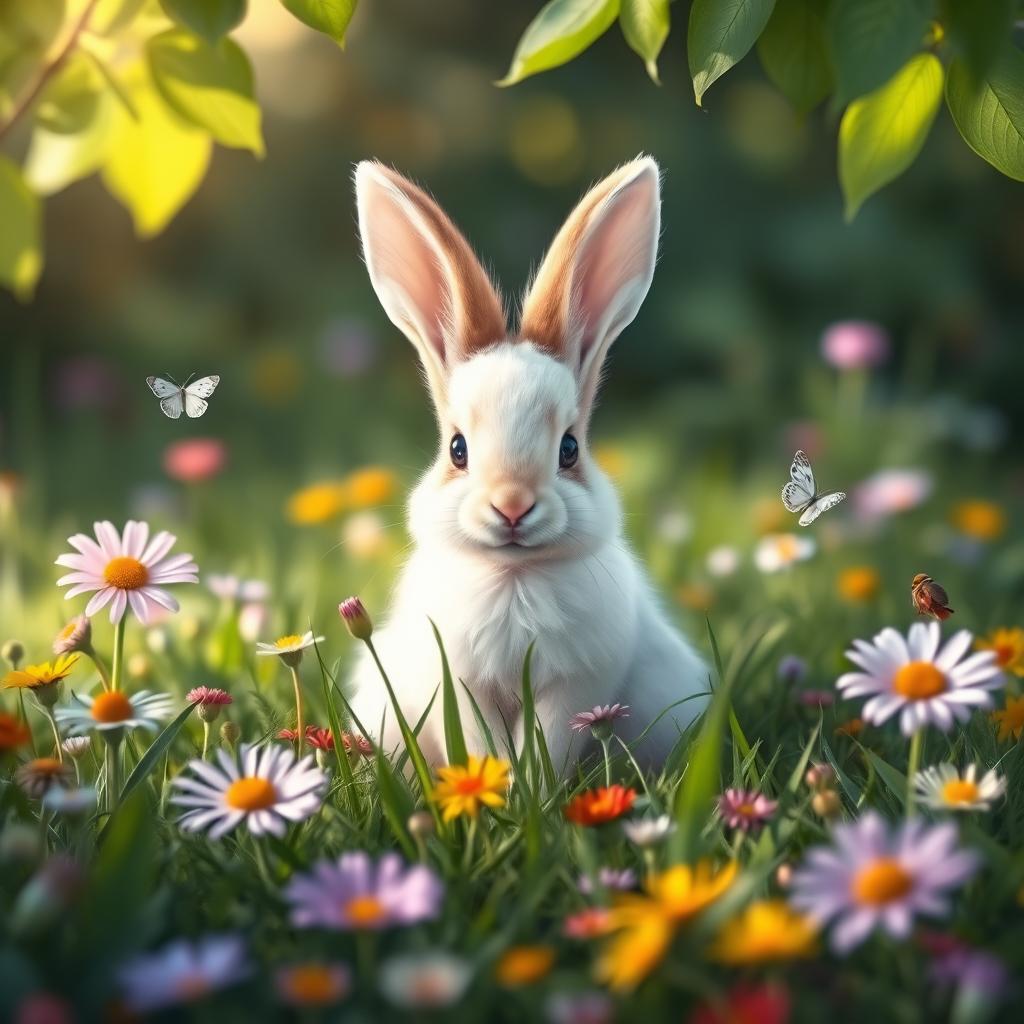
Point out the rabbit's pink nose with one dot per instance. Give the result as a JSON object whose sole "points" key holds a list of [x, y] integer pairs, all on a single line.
{"points": [[513, 503]]}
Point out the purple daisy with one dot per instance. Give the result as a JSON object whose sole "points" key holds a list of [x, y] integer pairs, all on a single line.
{"points": [[877, 876], [600, 717], [354, 894], [617, 879], [745, 808]]}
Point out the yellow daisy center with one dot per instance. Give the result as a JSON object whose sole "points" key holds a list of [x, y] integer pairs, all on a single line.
{"points": [[251, 794], [882, 881], [126, 573], [745, 809], [311, 985], [365, 910], [287, 641], [919, 680], [113, 706], [960, 791]]}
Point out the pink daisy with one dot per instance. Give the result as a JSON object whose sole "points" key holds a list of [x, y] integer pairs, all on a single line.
{"points": [[745, 809], [125, 570], [208, 695], [601, 715]]}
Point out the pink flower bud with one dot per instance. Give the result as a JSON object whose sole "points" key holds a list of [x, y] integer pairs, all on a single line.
{"points": [[356, 618]]}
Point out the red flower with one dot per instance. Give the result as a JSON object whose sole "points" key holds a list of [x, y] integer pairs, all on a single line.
{"points": [[13, 733], [587, 924], [320, 739], [596, 806], [746, 1004], [195, 459]]}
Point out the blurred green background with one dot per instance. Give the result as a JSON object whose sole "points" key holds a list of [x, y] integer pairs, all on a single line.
{"points": [[719, 379]]}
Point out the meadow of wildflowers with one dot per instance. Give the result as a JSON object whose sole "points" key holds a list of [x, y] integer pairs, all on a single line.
{"points": [[192, 822]]}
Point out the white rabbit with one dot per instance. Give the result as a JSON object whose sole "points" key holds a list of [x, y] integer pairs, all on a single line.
{"points": [[517, 532]]}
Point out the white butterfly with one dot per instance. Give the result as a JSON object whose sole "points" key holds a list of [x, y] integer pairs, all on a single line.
{"points": [[191, 397], [801, 493]]}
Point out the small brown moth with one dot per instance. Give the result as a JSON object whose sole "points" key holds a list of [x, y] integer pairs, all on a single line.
{"points": [[929, 597]]}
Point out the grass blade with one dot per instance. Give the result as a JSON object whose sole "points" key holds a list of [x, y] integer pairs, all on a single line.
{"points": [[156, 750], [454, 738]]}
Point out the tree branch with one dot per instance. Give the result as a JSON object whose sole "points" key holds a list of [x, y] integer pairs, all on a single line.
{"points": [[49, 70]]}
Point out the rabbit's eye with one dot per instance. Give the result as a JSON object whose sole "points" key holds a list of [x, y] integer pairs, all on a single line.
{"points": [[568, 452], [459, 451]]}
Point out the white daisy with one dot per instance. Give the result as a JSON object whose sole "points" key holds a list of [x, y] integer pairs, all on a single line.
{"points": [[912, 676], [125, 570], [289, 648], [779, 551], [262, 786], [423, 981], [946, 789], [114, 709], [647, 832]]}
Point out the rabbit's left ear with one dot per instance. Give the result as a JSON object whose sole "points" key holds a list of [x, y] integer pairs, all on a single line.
{"points": [[596, 273]]}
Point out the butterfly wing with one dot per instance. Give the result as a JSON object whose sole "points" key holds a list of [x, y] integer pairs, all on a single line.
{"points": [[819, 505], [195, 406], [173, 405], [162, 388], [795, 498], [799, 492], [204, 387]]}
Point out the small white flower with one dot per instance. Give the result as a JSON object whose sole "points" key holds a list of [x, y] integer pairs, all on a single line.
{"points": [[424, 981], [781, 550], [912, 676], [645, 832], [76, 746], [262, 786], [946, 789], [674, 527], [183, 972], [114, 709], [289, 648], [723, 560]]}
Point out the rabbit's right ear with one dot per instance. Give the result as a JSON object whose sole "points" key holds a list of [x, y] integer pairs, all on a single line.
{"points": [[425, 274]]}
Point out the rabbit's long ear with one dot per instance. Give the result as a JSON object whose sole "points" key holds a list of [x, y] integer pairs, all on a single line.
{"points": [[596, 273], [425, 274]]}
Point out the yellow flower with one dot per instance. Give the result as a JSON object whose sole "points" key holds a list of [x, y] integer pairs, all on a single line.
{"points": [[463, 789], [646, 924], [524, 965], [1009, 647], [31, 677], [981, 520], [371, 485], [318, 503], [1011, 719], [858, 584], [767, 930], [696, 596]]}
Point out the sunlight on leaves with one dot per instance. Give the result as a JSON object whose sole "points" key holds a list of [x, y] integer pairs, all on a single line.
{"points": [[720, 34], [645, 24], [210, 19], [21, 258], [331, 17], [210, 86], [881, 134], [990, 114], [562, 30]]}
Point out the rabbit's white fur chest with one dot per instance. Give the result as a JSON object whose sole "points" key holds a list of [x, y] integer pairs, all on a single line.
{"points": [[517, 532]]}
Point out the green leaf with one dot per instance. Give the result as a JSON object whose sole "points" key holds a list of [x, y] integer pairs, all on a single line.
{"points": [[155, 161], [881, 134], [21, 256], [210, 19], [990, 114], [70, 101], [334, 720], [979, 31], [872, 39], [562, 29], [156, 750], [794, 52], [454, 738], [645, 24], [529, 721], [210, 86], [331, 17], [895, 781], [720, 34], [26, 32]]}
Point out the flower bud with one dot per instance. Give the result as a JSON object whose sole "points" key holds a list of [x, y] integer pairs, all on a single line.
{"points": [[76, 747], [826, 803], [230, 733], [47, 694], [356, 618], [420, 824], [13, 651], [820, 776], [75, 636]]}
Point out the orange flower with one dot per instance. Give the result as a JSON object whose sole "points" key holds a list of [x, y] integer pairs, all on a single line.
{"points": [[979, 519], [1009, 647], [858, 584], [524, 965], [1011, 719], [596, 806], [13, 733], [851, 727]]}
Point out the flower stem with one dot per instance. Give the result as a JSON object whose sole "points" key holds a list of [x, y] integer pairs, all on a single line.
{"points": [[56, 734], [24, 717], [100, 668], [118, 669], [206, 738], [299, 729], [607, 762], [913, 760], [112, 771]]}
